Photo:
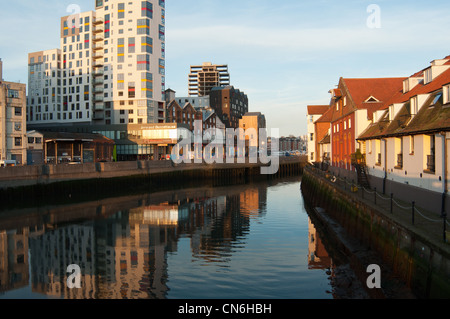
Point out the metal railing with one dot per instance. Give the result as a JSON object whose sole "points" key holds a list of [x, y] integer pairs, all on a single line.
{"points": [[386, 202]]}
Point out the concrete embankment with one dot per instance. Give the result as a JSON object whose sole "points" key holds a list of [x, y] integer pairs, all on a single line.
{"points": [[419, 262], [36, 185]]}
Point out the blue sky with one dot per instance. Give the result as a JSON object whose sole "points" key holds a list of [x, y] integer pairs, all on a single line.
{"points": [[284, 55]]}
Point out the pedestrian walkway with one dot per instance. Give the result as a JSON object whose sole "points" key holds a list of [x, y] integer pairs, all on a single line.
{"points": [[427, 224]]}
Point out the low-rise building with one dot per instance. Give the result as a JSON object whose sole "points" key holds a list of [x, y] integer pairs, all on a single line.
{"points": [[13, 143], [314, 112], [251, 124], [407, 144]]}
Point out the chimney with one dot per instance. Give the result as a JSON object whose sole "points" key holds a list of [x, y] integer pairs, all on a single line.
{"points": [[1, 70]]}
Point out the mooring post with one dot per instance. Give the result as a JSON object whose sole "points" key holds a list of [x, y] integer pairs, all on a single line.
{"points": [[413, 207], [375, 196]]}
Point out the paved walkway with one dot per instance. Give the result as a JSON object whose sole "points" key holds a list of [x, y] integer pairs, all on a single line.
{"points": [[419, 220]]}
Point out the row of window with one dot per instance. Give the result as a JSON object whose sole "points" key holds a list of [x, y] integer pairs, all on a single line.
{"points": [[59, 116], [346, 124]]}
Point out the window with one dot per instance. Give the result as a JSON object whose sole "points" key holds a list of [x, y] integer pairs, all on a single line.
{"points": [[436, 99], [414, 106], [121, 12], [17, 141], [147, 9], [131, 45], [428, 76], [146, 45], [161, 33], [143, 26], [446, 94], [131, 90], [13, 94], [143, 62], [18, 111]]}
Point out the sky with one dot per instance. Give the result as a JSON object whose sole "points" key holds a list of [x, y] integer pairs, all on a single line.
{"points": [[284, 55]]}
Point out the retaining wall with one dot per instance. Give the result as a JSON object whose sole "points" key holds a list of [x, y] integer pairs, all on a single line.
{"points": [[421, 264]]}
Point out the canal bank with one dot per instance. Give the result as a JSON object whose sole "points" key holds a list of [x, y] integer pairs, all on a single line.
{"points": [[60, 184], [407, 251]]}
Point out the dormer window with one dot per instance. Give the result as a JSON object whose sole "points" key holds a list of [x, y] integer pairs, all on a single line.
{"points": [[406, 86], [436, 98], [428, 76], [446, 94], [414, 106], [371, 99]]}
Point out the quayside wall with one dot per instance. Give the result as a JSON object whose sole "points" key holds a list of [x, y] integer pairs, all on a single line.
{"points": [[421, 263], [59, 184]]}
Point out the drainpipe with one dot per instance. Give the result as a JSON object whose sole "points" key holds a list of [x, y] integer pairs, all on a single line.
{"points": [[385, 165], [444, 170]]}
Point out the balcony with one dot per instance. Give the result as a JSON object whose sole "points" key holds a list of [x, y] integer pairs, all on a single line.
{"points": [[98, 21], [99, 107], [98, 30], [98, 65], [98, 37], [98, 98], [98, 72], [431, 162], [99, 89], [98, 116], [98, 81]]}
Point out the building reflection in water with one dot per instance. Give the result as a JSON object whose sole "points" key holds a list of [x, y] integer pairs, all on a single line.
{"points": [[122, 247]]}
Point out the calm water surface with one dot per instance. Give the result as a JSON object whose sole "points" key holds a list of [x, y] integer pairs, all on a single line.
{"points": [[254, 241]]}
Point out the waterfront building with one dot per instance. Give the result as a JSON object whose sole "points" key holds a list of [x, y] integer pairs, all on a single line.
{"points": [[203, 78], [314, 112], [230, 104], [322, 131], [407, 143], [251, 123], [109, 70], [186, 114], [355, 103], [13, 144]]}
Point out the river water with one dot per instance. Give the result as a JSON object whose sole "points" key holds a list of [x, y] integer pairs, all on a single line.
{"points": [[253, 241]]}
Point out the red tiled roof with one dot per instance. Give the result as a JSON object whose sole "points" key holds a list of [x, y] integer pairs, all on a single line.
{"points": [[326, 117], [317, 109], [421, 88], [380, 88]]}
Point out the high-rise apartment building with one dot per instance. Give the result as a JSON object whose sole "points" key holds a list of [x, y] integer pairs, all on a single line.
{"points": [[110, 68], [203, 78]]}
